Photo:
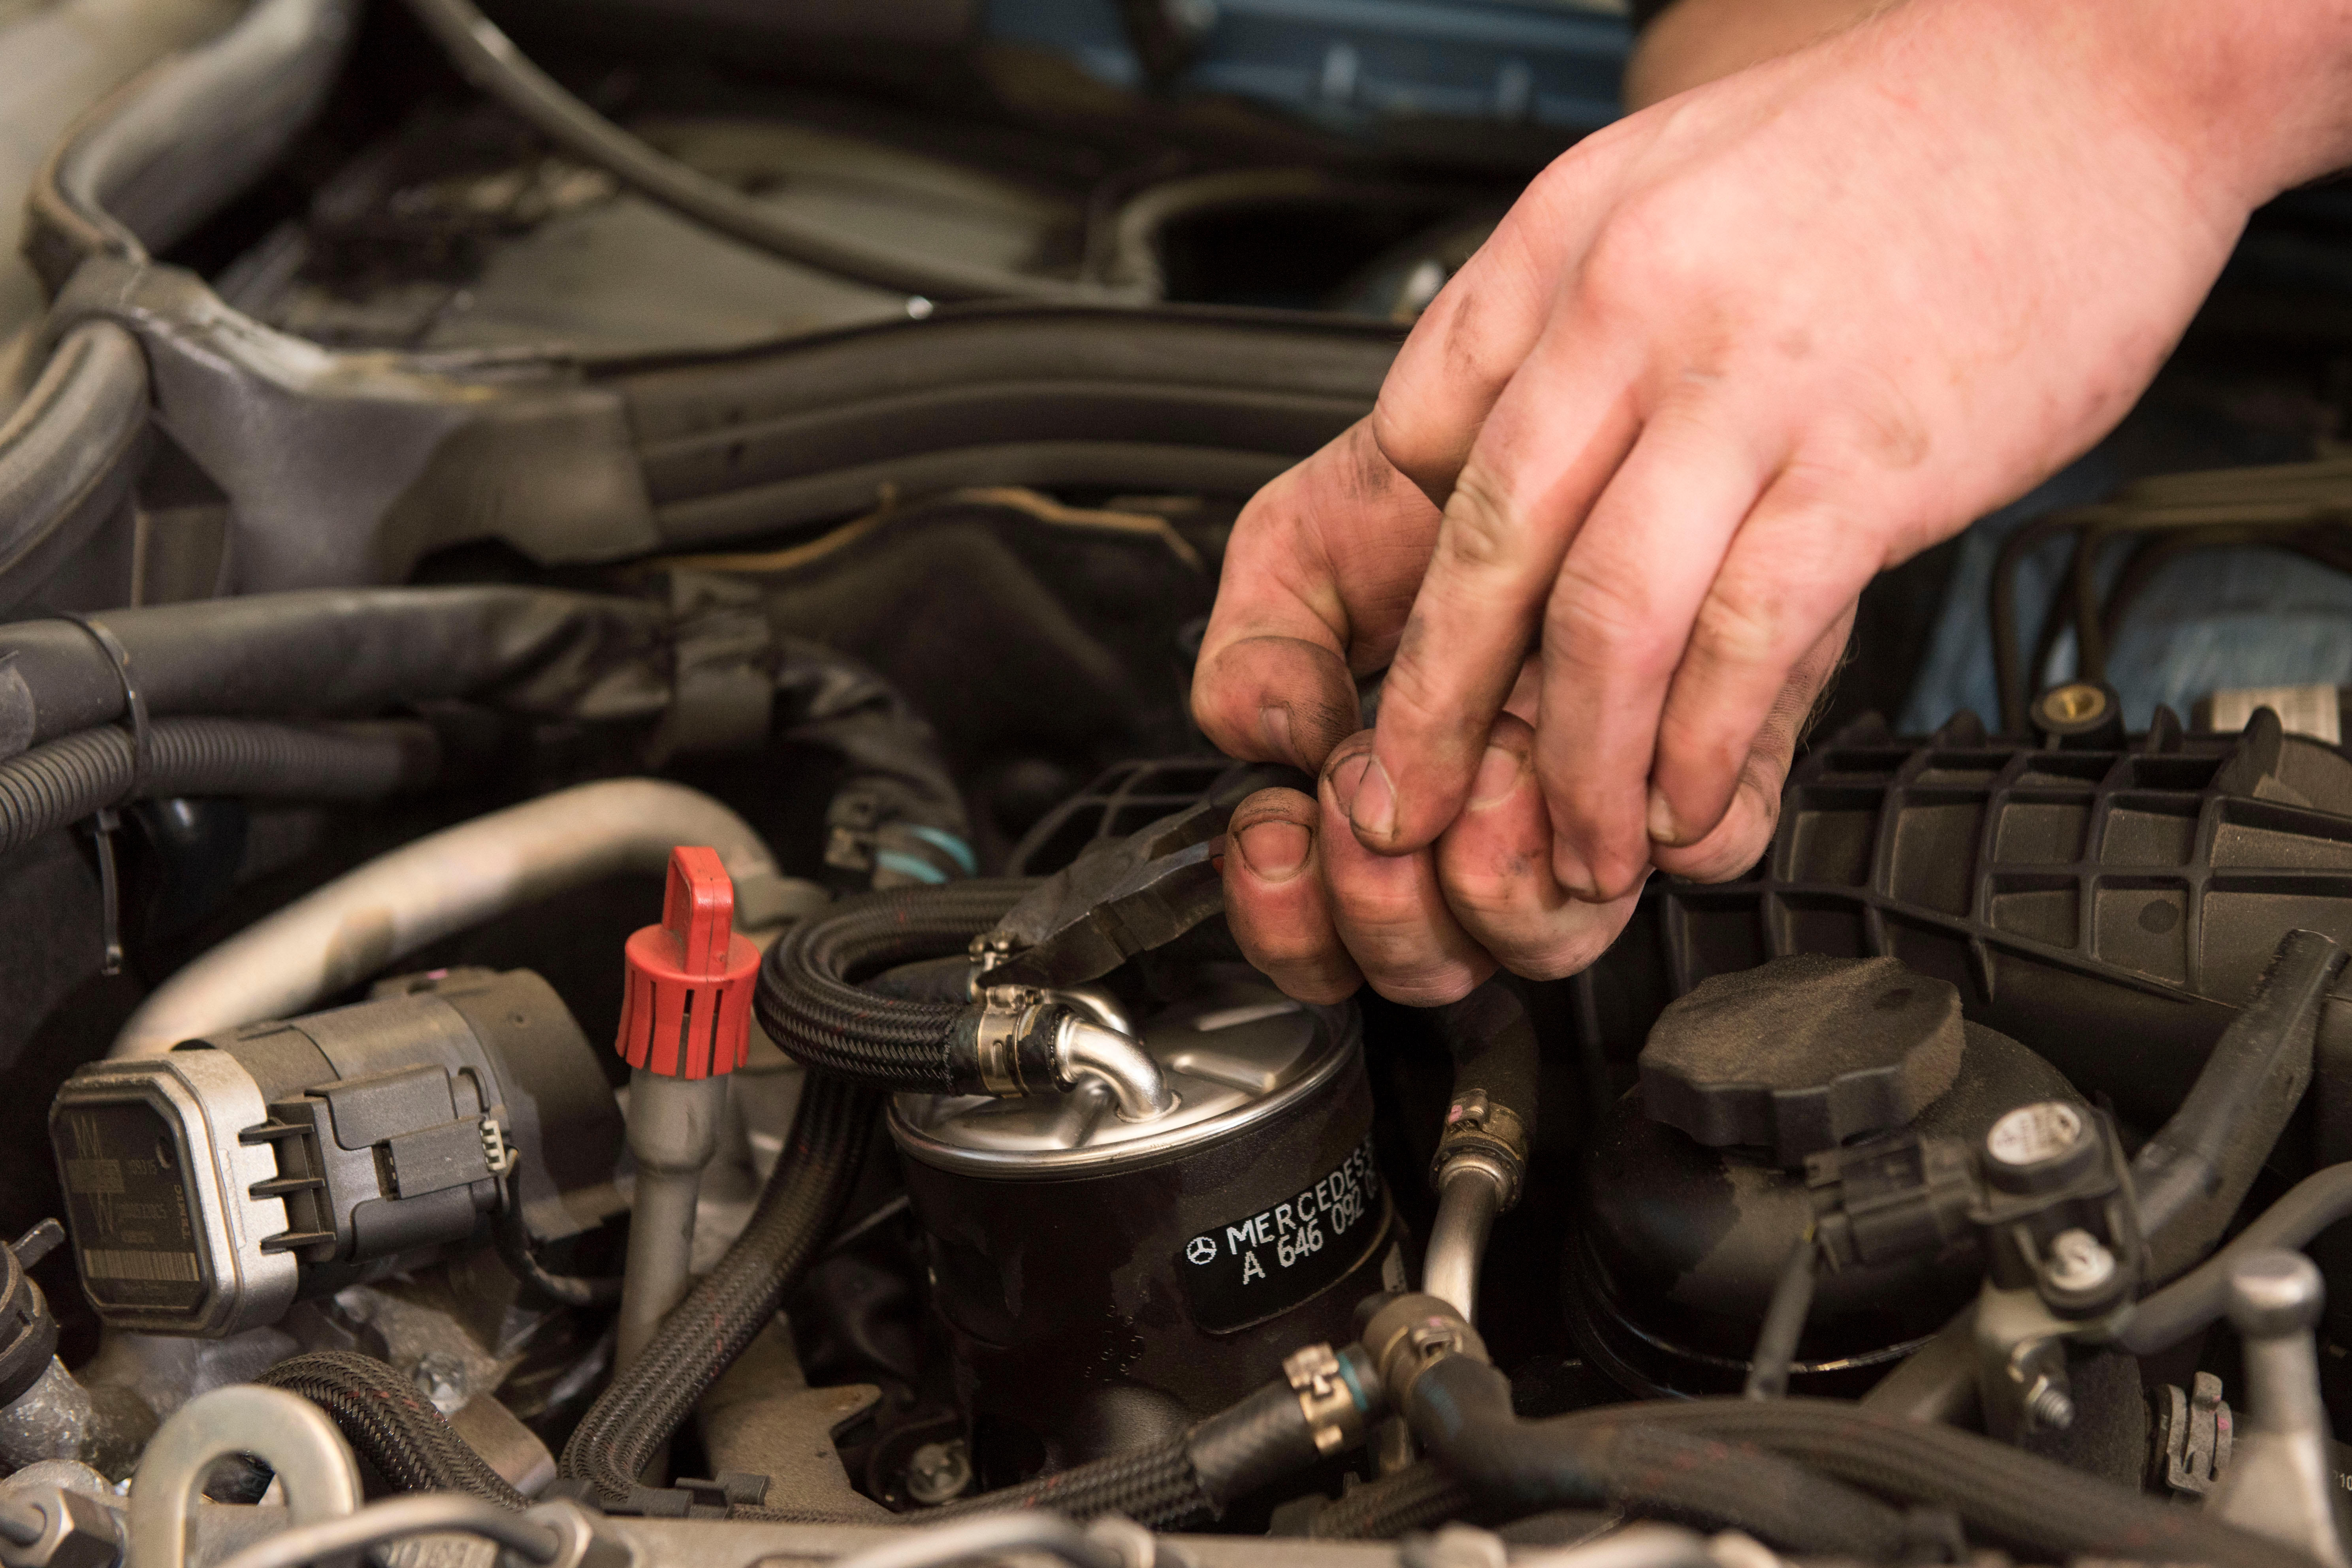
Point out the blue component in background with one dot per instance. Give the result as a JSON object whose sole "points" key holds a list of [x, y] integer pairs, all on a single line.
{"points": [[1350, 65]]}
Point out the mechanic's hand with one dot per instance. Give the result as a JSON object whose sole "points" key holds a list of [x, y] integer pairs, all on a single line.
{"points": [[1720, 365], [1320, 913]]}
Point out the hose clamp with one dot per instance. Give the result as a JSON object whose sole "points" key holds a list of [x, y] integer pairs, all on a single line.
{"points": [[1480, 1128], [1335, 1417], [1412, 1333], [1012, 1041]]}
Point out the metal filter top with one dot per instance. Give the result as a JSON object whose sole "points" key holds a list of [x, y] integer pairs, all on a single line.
{"points": [[1241, 1054]]}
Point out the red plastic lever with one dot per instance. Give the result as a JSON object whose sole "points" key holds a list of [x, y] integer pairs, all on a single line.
{"points": [[686, 1012]]}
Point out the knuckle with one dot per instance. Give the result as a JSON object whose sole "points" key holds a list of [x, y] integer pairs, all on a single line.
{"points": [[1638, 257], [1482, 532], [1559, 954], [1433, 985], [1604, 620], [1738, 625], [1408, 433], [1277, 943]]}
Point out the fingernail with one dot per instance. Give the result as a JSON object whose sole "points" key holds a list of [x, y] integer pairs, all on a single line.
{"points": [[1274, 723], [1374, 811], [1346, 779], [1274, 850], [1661, 819], [1498, 775], [1574, 876]]}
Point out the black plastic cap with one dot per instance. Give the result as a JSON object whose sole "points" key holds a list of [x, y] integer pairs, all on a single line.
{"points": [[1802, 1054]]}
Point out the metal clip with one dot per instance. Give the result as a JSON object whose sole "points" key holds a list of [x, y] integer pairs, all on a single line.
{"points": [[1006, 1018], [1329, 1405]]}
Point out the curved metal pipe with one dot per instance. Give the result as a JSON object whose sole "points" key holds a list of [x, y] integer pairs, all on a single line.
{"points": [[1469, 1196], [1085, 1050], [387, 908], [284, 1431], [1096, 1003]]}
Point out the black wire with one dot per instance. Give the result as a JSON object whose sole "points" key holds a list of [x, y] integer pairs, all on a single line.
{"points": [[489, 60], [513, 1239], [1784, 1322]]}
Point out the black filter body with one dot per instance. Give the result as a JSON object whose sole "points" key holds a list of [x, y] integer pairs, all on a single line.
{"points": [[1681, 1244], [1105, 1285], [208, 1188]]}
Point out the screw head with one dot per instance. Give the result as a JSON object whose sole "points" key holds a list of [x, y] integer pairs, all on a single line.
{"points": [[2033, 1133], [2077, 1262], [441, 1378], [937, 1471], [2077, 703]]}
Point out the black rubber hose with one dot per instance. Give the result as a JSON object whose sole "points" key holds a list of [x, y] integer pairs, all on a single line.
{"points": [[1495, 1050], [1263, 1438], [66, 780], [391, 1425], [644, 1406], [2200, 1296], [1266, 1438], [2189, 1178], [531, 652], [489, 60], [354, 651], [1419, 1497], [2017, 1499], [810, 1003], [1460, 1408], [896, 789], [1156, 1487]]}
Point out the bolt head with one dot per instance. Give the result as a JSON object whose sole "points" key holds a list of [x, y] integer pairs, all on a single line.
{"points": [[2034, 1133], [937, 1471], [2275, 1292], [441, 1378], [2078, 1262]]}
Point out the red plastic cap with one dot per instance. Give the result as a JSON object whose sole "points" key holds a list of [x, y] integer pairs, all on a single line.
{"points": [[687, 1009]]}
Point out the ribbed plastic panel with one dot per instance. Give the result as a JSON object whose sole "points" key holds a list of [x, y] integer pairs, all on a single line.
{"points": [[2086, 901]]}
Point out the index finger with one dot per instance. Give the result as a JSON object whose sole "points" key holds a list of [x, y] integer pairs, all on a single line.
{"points": [[1318, 580]]}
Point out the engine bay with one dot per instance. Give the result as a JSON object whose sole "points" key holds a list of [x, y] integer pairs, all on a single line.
{"points": [[615, 940]]}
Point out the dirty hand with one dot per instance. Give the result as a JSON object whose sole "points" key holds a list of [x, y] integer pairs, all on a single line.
{"points": [[1721, 363]]}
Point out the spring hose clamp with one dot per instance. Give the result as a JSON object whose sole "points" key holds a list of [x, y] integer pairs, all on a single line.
{"points": [[1335, 1417]]}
